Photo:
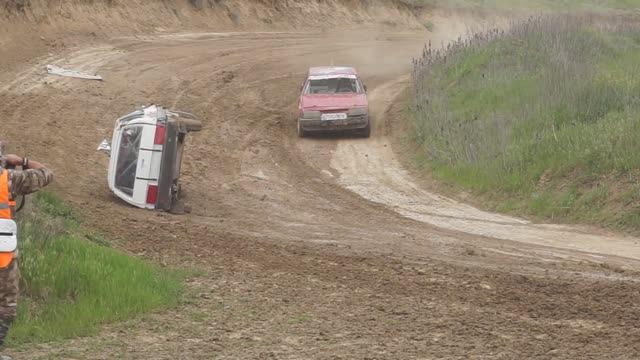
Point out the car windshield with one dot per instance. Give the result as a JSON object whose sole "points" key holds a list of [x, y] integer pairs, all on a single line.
{"points": [[128, 159], [336, 85]]}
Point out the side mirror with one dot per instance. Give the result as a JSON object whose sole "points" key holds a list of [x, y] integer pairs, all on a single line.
{"points": [[105, 147], [365, 87]]}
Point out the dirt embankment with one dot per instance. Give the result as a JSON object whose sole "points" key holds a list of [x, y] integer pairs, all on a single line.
{"points": [[33, 27]]}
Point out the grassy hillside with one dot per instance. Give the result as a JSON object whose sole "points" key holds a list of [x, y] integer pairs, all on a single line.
{"points": [[542, 119], [536, 5], [72, 282]]}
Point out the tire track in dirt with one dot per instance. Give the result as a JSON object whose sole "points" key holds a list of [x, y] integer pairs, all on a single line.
{"points": [[248, 128], [296, 264], [371, 169]]}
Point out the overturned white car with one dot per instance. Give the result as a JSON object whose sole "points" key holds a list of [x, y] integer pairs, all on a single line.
{"points": [[146, 156]]}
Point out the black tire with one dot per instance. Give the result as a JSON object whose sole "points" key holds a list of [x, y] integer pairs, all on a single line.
{"points": [[366, 132], [301, 132], [192, 125]]}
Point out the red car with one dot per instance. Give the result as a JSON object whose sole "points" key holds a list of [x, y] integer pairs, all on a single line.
{"points": [[333, 99]]}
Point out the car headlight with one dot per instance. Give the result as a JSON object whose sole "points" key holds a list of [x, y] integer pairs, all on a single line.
{"points": [[311, 114], [358, 111]]}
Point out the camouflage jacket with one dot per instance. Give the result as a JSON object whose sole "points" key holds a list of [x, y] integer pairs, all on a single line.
{"points": [[23, 182]]}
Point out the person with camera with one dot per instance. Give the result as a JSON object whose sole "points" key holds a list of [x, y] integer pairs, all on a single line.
{"points": [[31, 177]]}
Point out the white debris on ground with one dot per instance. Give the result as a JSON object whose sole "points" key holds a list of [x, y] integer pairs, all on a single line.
{"points": [[56, 70], [105, 146]]}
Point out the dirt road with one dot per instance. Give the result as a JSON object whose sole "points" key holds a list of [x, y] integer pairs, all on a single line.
{"points": [[319, 247]]}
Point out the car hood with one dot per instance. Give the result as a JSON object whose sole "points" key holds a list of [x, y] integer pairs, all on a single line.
{"points": [[336, 101]]}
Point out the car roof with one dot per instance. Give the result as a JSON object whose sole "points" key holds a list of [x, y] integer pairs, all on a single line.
{"points": [[332, 70]]}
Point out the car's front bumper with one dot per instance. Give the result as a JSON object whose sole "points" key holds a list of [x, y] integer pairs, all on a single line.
{"points": [[351, 123]]}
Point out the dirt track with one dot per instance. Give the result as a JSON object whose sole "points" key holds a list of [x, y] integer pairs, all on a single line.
{"points": [[321, 247]]}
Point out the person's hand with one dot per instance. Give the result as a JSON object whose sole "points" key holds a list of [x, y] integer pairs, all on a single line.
{"points": [[13, 160]]}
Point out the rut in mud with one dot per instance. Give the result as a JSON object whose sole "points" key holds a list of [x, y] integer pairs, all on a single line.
{"points": [[320, 247]]}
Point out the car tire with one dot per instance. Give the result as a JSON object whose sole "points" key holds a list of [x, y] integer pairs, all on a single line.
{"points": [[192, 125], [366, 132], [178, 207], [301, 132]]}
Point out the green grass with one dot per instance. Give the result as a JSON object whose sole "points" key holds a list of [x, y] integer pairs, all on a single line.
{"points": [[534, 5], [429, 25], [71, 286], [543, 119]]}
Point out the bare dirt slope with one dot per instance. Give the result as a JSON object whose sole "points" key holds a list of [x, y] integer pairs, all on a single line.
{"points": [[309, 248]]}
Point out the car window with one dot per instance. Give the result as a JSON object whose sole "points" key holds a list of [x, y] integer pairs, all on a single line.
{"points": [[127, 163], [338, 85]]}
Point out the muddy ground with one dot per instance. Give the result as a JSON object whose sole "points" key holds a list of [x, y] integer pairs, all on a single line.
{"points": [[322, 247]]}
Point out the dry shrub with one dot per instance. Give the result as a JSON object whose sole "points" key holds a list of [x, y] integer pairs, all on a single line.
{"points": [[14, 5]]}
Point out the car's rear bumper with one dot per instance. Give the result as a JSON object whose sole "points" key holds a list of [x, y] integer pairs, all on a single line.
{"points": [[352, 123]]}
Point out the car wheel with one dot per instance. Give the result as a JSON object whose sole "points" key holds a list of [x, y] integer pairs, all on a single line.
{"points": [[179, 193], [192, 124], [301, 132], [366, 132]]}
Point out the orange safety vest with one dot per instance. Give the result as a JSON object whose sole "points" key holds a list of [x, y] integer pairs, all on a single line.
{"points": [[7, 211]]}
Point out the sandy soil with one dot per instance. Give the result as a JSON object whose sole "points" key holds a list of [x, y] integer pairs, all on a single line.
{"points": [[318, 247]]}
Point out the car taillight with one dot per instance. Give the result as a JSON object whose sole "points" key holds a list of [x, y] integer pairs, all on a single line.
{"points": [[152, 194], [160, 133]]}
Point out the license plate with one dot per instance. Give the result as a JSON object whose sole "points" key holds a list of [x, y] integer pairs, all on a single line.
{"points": [[334, 116]]}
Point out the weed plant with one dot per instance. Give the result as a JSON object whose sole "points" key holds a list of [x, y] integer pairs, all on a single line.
{"points": [[543, 117], [71, 286]]}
